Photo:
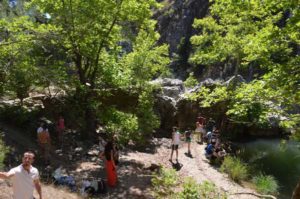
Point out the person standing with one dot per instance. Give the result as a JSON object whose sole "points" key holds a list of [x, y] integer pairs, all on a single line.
{"points": [[25, 178], [188, 140], [175, 143], [110, 165], [200, 131], [60, 129], [44, 141]]}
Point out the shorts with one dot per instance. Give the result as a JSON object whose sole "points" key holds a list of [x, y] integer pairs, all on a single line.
{"points": [[174, 146], [188, 139]]}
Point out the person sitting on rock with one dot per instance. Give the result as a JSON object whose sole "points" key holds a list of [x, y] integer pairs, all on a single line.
{"points": [[209, 150]]}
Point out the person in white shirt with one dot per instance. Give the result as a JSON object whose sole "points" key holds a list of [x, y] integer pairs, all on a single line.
{"points": [[25, 178], [175, 142]]}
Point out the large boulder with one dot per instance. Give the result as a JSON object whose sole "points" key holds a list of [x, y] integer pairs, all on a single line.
{"points": [[165, 102], [174, 109]]}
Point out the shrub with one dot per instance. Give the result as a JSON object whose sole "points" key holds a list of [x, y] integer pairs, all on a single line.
{"points": [[164, 183], [235, 168], [191, 81], [190, 189], [19, 116], [209, 190], [265, 184]]}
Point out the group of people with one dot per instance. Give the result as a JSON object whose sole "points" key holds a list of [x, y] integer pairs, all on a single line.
{"points": [[44, 138], [205, 132], [215, 149], [25, 177]]}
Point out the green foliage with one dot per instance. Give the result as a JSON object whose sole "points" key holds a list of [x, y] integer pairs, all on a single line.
{"points": [[19, 116], [89, 49], [209, 190], [236, 169], [258, 35], [124, 125], [3, 150], [190, 189], [20, 82], [265, 184], [147, 120], [191, 81], [164, 183]]}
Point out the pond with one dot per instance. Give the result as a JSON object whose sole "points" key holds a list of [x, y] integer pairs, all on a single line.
{"points": [[279, 158]]}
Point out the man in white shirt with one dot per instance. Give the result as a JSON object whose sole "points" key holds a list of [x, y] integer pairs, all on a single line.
{"points": [[25, 178]]}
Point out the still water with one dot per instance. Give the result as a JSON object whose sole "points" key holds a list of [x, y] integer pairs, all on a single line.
{"points": [[275, 157]]}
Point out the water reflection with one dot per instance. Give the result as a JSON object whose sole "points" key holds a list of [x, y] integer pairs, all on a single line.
{"points": [[275, 157]]}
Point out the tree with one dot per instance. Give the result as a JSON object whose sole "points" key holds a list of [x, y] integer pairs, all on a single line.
{"points": [[258, 34], [96, 47]]}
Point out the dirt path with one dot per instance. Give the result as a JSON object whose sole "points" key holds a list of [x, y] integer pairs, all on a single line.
{"points": [[197, 167]]}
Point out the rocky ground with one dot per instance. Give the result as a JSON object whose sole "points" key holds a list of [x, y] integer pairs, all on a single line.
{"points": [[134, 171]]}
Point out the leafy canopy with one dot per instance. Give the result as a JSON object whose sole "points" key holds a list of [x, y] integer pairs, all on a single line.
{"points": [[263, 35], [88, 48]]}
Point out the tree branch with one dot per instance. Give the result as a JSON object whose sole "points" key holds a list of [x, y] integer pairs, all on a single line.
{"points": [[101, 45], [254, 194]]}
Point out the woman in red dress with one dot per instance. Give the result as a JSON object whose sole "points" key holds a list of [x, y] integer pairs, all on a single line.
{"points": [[110, 164]]}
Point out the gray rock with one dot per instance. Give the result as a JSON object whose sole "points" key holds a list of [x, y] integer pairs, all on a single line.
{"points": [[93, 152], [78, 149]]}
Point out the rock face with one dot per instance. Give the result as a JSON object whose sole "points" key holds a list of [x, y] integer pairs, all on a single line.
{"points": [[174, 109], [165, 103], [175, 26]]}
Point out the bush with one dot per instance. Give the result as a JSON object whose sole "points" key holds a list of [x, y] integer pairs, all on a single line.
{"points": [[235, 168], [190, 189], [210, 191], [19, 116], [164, 183], [3, 151], [191, 81], [265, 184]]}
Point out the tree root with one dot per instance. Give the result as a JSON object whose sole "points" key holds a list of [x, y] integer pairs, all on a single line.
{"points": [[254, 194]]}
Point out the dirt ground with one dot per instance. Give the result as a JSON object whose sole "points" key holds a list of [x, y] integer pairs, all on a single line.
{"points": [[134, 177]]}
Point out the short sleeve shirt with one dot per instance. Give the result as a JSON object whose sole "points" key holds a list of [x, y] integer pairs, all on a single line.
{"points": [[176, 138], [23, 182]]}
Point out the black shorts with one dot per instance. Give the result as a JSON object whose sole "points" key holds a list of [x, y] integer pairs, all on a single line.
{"points": [[174, 146]]}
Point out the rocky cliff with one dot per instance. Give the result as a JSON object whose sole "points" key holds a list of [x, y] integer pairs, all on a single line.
{"points": [[175, 22]]}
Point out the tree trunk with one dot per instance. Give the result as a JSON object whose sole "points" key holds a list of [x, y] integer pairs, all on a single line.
{"points": [[90, 121], [296, 192], [90, 114]]}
